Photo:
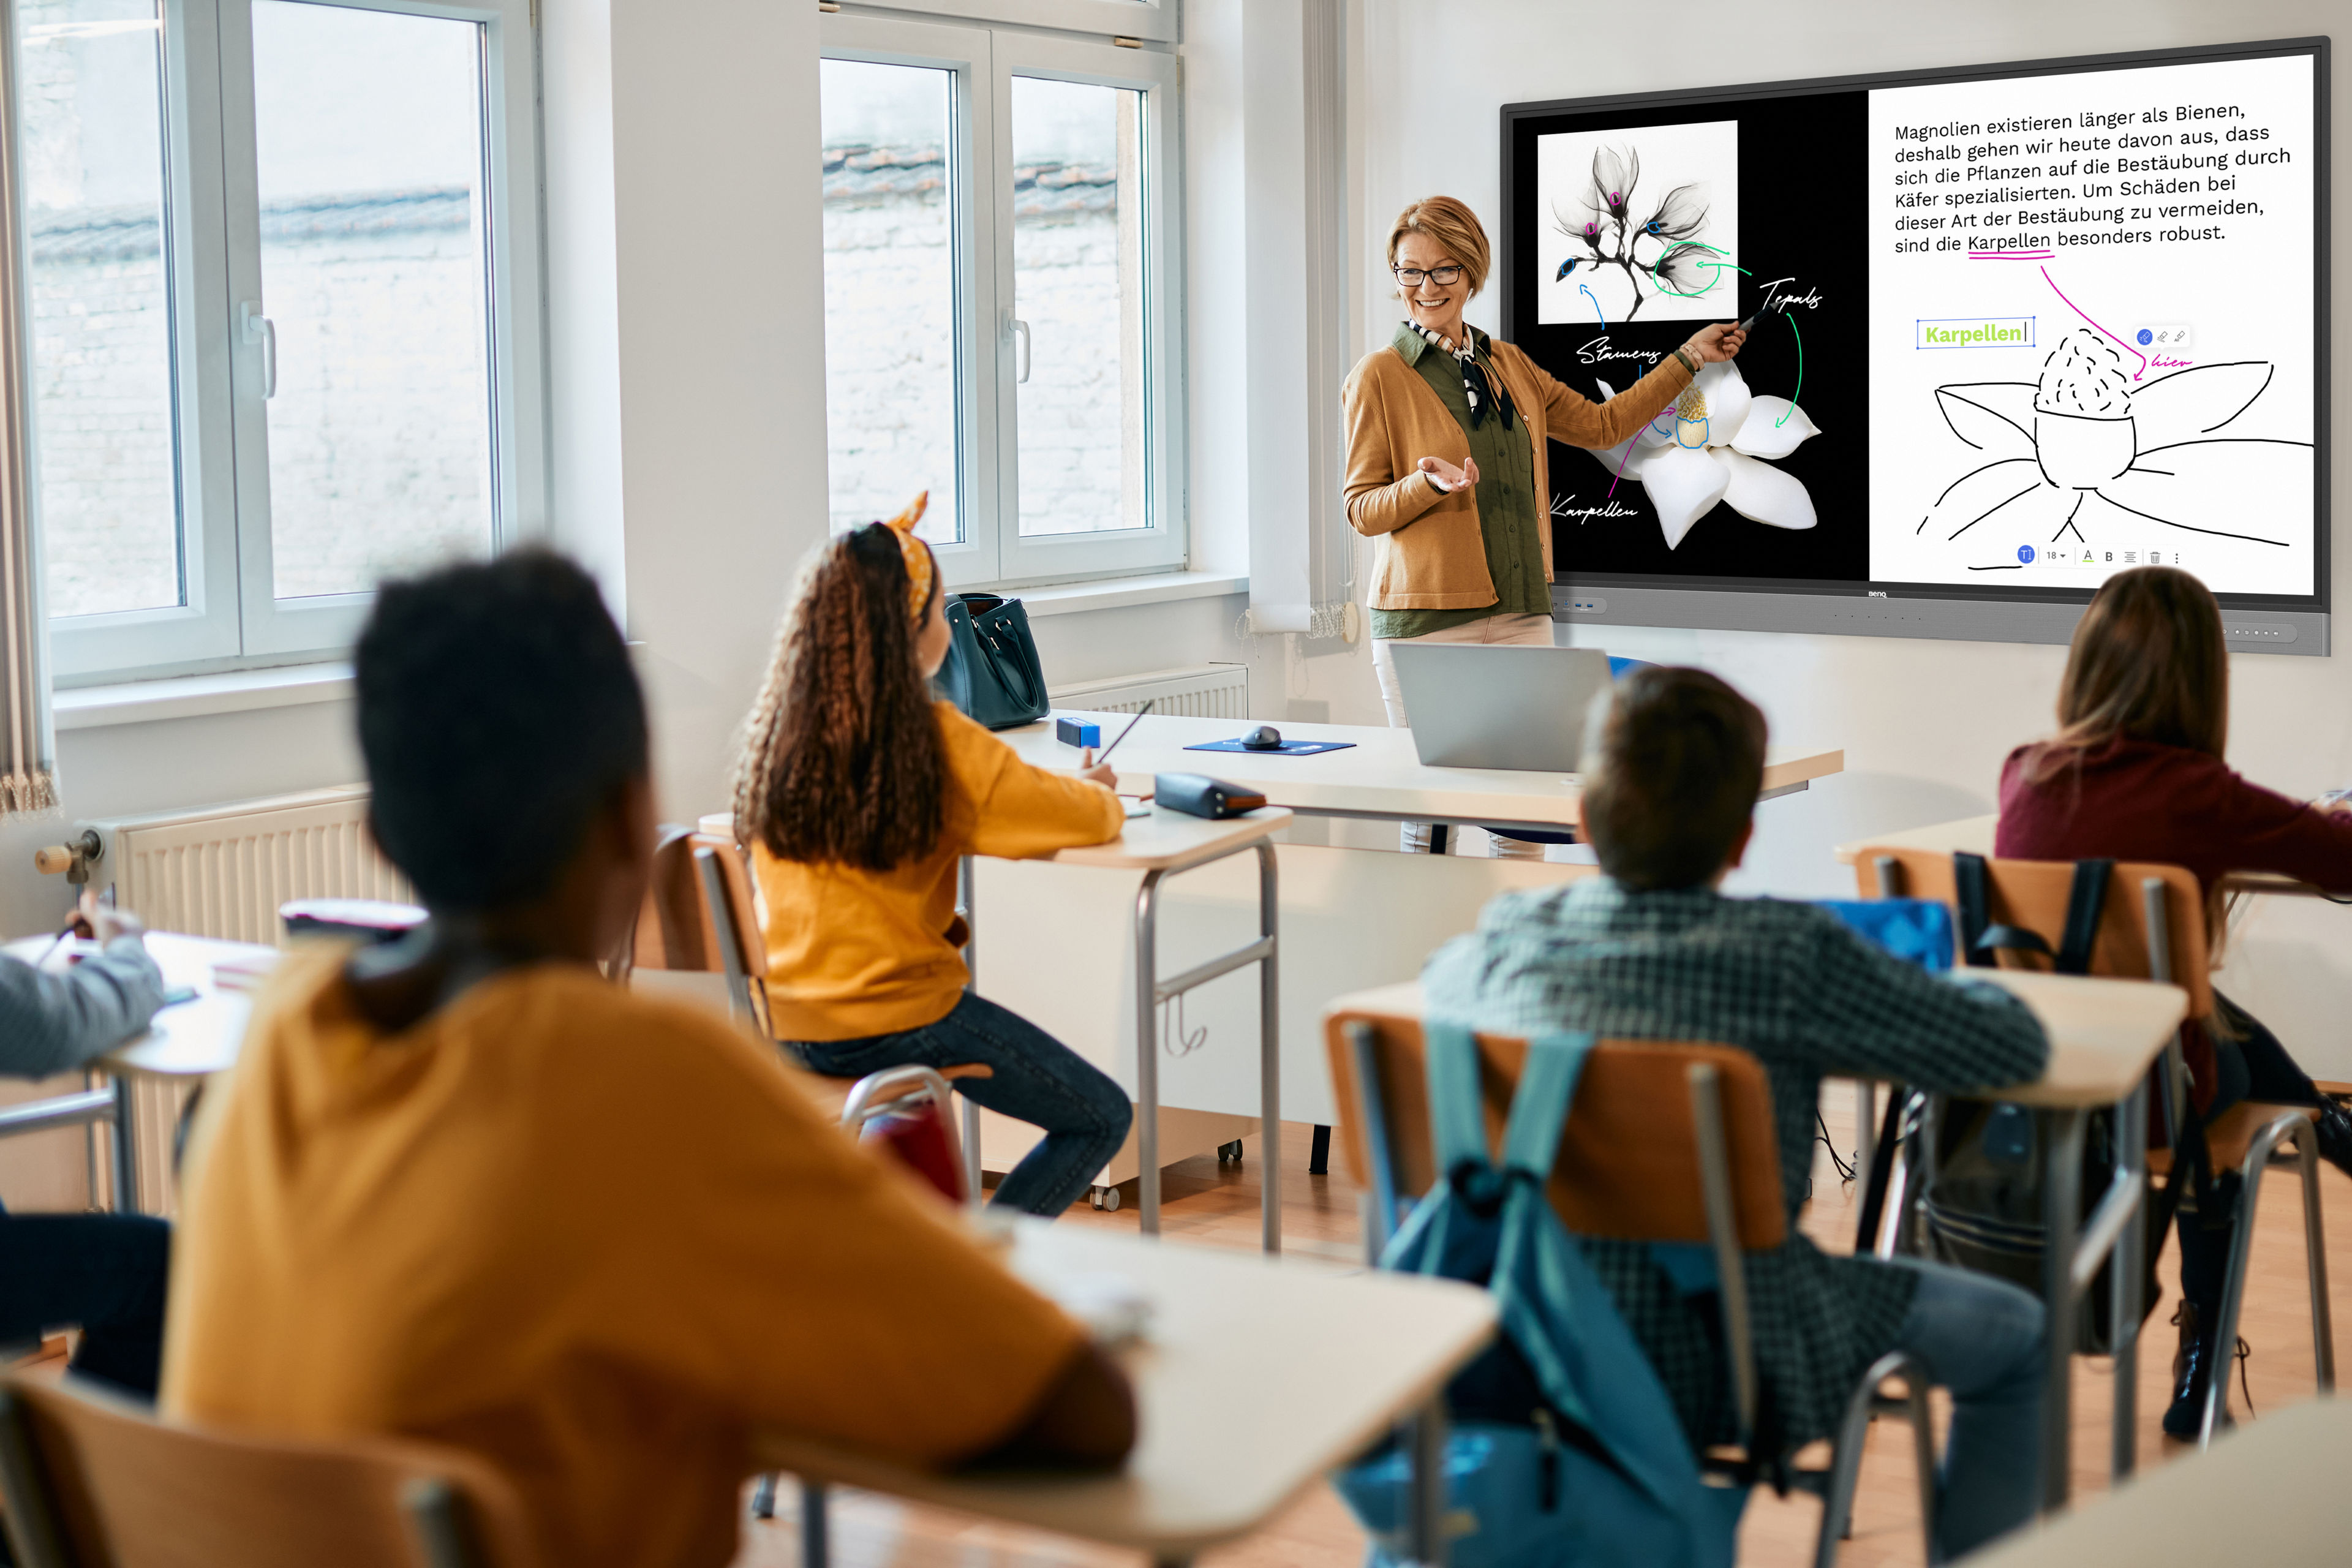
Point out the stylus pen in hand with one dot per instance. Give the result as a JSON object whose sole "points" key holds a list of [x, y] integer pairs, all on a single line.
{"points": [[1090, 759]]}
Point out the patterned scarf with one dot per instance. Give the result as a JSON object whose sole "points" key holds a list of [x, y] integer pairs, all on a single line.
{"points": [[1481, 385]]}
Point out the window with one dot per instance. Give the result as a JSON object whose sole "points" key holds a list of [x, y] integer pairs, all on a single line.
{"points": [[283, 264], [1001, 304]]}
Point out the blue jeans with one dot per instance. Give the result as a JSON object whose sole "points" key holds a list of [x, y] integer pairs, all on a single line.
{"points": [[1037, 1079], [103, 1274], [1981, 1339]]}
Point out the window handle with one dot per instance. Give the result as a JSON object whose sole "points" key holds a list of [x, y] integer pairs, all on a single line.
{"points": [[257, 328], [1020, 330]]}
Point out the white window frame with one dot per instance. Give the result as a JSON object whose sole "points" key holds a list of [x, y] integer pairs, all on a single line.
{"points": [[992, 553], [231, 618], [1154, 20]]}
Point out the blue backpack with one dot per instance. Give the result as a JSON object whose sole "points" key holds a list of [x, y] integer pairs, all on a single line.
{"points": [[1563, 1447]]}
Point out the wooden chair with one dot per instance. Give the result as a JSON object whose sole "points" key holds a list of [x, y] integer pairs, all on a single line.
{"points": [[1665, 1142], [2152, 928], [699, 916], [92, 1482]]}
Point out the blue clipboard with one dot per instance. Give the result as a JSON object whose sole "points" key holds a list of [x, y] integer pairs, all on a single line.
{"points": [[1288, 748]]}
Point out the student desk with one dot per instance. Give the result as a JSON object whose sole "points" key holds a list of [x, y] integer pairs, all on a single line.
{"points": [[1974, 836], [2103, 1035], [1380, 777], [1155, 847], [191, 1039], [2271, 1492], [1055, 940], [1254, 1379]]}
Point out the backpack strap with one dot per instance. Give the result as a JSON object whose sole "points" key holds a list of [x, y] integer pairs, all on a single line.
{"points": [[1539, 1108], [2086, 901], [1968, 885], [1457, 1122]]}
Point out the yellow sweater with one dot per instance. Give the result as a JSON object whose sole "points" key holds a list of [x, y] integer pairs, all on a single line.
{"points": [[597, 1238], [852, 952]]}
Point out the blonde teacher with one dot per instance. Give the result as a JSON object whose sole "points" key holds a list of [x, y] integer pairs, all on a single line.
{"points": [[1446, 461]]}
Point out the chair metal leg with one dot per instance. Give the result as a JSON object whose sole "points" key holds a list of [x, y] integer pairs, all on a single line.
{"points": [[2315, 1244], [1922, 1452], [2061, 1215], [2130, 1277], [126, 1146], [1269, 1047], [2241, 1241], [1425, 1525], [1318, 1153], [1865, 1123], [816, 1549], [763, 1497], [1146, 1053], [971, 1170], [1845, 1459]]}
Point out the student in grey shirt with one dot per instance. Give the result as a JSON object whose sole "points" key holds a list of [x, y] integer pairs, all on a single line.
{"points": [[53, 1021], [103, 1274], [1652, 951]]}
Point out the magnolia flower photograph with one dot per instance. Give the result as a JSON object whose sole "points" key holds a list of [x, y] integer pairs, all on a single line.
{"points": [[1640, 225]]}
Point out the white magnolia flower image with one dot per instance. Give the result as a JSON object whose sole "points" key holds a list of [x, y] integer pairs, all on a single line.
{"points": [[2085, 445], [1713, 446]]}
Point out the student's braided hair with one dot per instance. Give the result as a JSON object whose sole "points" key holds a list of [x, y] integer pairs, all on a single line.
{"points": [[842, 758]]}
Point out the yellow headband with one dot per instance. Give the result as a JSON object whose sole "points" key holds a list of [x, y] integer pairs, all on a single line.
{"points": [[917, 554]]}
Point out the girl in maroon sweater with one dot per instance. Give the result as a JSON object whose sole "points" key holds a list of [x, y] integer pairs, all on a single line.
{"points": [[2136, 773]]}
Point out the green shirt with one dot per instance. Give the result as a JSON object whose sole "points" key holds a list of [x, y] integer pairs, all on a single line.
{"points": [[1511, 518]]}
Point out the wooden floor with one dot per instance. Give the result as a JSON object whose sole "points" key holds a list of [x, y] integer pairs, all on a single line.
{"points": [[1207, 1204]]}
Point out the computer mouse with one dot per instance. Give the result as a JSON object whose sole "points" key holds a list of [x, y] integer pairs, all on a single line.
{"points": [[1265, 738]]}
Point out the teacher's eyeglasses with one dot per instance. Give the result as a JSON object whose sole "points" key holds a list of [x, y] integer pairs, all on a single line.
{"points": [[1411, 276]]}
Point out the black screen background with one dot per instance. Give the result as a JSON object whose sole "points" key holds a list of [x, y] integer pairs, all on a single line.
{"points": [[1814, 145]]}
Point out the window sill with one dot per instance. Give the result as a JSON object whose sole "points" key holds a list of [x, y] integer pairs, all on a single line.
{"points": [[1073, 598], [196, 696]]}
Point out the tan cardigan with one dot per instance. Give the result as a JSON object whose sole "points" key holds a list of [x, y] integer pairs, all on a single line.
{"points": [[1431, 555]]}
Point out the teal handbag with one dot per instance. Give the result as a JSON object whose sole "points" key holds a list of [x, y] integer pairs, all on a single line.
{"points": [[991, 671], [1564, 1448]]}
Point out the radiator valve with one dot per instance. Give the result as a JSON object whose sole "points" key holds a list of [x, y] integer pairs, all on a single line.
{"points": [[74, 860]]}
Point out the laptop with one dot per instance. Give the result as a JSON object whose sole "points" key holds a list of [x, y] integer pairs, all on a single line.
{"points": [[1474, 705]]}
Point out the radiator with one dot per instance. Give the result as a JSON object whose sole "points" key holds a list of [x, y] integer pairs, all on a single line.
{"points": [[222, 871], [1199, 692]]}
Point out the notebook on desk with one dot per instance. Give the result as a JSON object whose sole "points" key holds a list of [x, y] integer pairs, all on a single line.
{"points": [[1474, 705]]}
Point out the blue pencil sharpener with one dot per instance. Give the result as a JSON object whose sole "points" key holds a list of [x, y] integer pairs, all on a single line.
{"points": [[1076, 732]]}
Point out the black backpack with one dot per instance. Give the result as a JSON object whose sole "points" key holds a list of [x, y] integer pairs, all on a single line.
{"points": [[1984, 1208]]}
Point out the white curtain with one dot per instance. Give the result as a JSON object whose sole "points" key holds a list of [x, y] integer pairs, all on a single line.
{"points": [[28, 779]]}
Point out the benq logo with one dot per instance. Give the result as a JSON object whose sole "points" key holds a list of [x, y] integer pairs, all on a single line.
{"points": [[1877, 593]]}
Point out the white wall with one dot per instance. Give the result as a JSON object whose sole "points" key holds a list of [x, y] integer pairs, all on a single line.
{"points": [[1924, 724], [686, 350]]}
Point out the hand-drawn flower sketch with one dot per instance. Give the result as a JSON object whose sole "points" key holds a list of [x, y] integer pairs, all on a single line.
{"points": [[1714, 445], [2084, 445]]}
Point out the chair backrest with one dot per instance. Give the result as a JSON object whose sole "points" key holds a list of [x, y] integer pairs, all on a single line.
{"points": [[93, 1483], [1629, 1163], [675, 926], [2032, 895]]}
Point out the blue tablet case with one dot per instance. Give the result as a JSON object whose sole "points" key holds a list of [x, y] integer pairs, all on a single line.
{"points": [[1288, 748]]}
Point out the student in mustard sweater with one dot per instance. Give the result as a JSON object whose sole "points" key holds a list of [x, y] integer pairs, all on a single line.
{"points": [[461, 1189], [857, 793]]}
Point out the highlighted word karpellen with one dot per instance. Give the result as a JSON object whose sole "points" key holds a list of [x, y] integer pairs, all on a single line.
{"points": [[1975, 333]]}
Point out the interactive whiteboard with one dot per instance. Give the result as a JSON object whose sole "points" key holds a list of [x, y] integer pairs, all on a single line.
{"points": [[2019, 327]]}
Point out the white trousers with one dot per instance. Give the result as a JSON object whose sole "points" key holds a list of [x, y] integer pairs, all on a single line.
{"points": [[1502, 630]]}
